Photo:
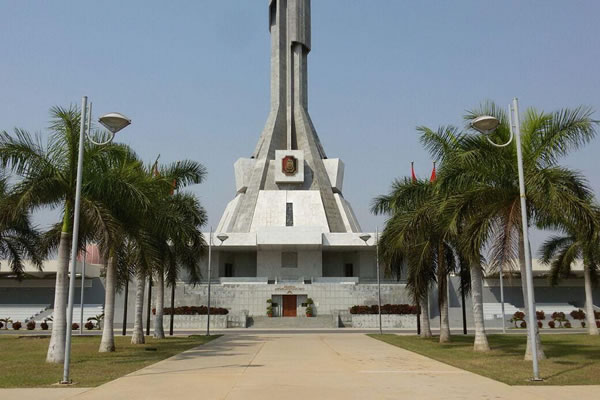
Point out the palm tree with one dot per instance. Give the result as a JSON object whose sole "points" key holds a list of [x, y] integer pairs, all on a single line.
{"points": [[168, 237], [19, 240], [124, 216], [182, 245], [484, 181], [415, 233], [179, 241], [562, 251], [47, 179]]}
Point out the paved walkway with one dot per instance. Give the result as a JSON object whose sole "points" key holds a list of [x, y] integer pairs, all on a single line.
{"points": [[304, 367], [309, 367]]}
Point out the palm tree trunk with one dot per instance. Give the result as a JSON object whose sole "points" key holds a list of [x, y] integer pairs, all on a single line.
{"points": [[107, 344], [481, 342], [56, 348], [443, 294], [159, 332], [443, 304], [138, 327], [522, 267], [589, 303], [425, 324]]}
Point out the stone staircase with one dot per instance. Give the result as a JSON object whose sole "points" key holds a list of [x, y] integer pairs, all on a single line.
{"points": [[264, 322]]}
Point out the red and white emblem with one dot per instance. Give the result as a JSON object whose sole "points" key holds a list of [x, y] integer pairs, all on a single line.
{"points": [[289, 165]]}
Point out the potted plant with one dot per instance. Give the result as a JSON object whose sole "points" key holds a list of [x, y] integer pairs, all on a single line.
{"points": [[97, 320], [75, 326], [5, 321], [89, 325], [309, 308], [552, 324], [30, 325], [559, 317], [16, 325], [44, 325], [269, 308]]}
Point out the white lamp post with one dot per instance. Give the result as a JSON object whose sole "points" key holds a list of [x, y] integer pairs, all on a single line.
{"points": [[222, 237], [365, 238], [114, 122], [486, 125]]}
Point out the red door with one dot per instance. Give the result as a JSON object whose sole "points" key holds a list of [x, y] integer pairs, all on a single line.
{"points": [[289, 306]]}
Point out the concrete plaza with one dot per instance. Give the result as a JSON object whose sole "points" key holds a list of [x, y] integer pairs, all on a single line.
{"points": [[308, 366]]}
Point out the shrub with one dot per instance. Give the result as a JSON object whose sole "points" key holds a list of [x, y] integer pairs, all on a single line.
{"points": [[401, 309], [44, 326], [597, 314], [194, 310], [518, 316], [16, 325], [583, 324], [540, 315], [597, 324], [579, 314], [89, 325], [552, 324], [30, 325], [559, 317], [75, 326], [1, 324], [567, 324], [523, 324], [310, 301], [540, 324]]}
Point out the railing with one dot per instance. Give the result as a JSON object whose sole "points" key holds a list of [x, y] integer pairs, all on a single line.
{"points": [[352, 280]]}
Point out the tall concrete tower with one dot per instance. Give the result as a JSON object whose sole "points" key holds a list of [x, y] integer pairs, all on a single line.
{"points": [[289, 181]]}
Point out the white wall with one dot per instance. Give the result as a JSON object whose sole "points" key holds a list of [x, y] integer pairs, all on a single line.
{"points": [[271, 209], [309, 264]]}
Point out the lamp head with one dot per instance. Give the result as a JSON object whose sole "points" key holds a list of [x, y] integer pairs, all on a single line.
{"points": [[365, 237], [485, 124], [114, 122], [222, 237]]}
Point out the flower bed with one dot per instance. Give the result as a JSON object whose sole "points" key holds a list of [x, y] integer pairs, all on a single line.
{"points": [[194, 310], [399, 309]]}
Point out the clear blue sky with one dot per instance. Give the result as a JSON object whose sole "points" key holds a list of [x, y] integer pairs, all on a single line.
{"points": [[194, 76]]}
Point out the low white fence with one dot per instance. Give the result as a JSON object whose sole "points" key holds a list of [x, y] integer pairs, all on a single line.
{"points": [[397, 321], [194, 321]]}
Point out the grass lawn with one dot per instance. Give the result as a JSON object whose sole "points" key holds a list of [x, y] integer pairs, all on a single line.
{"points": [[22, 359], [572, 359]]}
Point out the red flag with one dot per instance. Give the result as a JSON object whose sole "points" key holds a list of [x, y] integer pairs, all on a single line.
{"points": [[433, 175], [412, 171]]}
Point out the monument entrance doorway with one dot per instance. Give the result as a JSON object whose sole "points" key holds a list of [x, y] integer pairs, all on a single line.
{"points": [[290, 304]]}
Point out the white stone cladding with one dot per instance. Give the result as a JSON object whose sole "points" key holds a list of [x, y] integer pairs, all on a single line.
{"points": [[328, 297]]}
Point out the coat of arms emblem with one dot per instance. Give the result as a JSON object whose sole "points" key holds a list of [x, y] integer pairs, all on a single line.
{"points": [[289, 165]]}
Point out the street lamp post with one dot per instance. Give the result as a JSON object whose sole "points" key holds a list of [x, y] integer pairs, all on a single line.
{"points": [[487, 124], [502, 299], [222, 237], [82, 290], [114, 122], [365, 237]]}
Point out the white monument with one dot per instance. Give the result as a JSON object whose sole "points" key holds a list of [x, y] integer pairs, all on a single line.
{"points": [[291, 233]]}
